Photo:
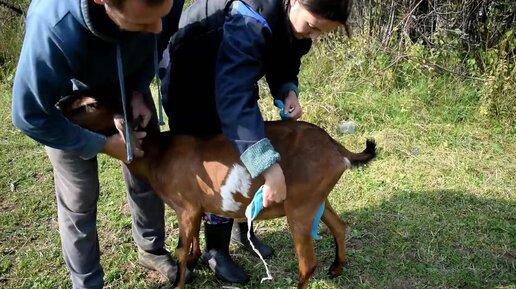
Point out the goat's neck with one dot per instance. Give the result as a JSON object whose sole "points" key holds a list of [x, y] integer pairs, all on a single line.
{"points": [[153, 148]]}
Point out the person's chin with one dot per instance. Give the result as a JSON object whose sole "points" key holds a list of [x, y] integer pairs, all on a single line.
{"points": [[299, 36]]}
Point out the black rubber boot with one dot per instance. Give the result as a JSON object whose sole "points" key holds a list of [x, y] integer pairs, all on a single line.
{"points": [[239, 236], [216, 254]]}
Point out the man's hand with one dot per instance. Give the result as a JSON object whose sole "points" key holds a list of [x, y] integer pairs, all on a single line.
{"points": [[292, 107], [140, 109], [274, 189]]}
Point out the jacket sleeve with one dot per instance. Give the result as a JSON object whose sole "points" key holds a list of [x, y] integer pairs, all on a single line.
{"points": [[239, 67], [42, 77], [285, 62]]}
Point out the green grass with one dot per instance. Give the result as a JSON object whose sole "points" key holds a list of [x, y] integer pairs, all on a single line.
{"points": [[436, 209]]}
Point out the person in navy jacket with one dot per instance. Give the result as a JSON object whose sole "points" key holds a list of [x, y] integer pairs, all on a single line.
{"points": [[221, 50], [86, 47]]}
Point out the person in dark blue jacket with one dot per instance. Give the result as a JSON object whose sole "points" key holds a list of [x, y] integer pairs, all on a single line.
{"points": [[82, 47], [221, 50]]}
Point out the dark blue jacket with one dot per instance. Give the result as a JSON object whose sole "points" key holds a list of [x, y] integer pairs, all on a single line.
{"points": [[70, 45], [221, 50]]}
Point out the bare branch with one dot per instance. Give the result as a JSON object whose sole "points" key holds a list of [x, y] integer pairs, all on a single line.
{"points": [[12, 8]]}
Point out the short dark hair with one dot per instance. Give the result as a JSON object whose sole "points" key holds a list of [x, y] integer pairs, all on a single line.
{"points": [[118, 4], [334, 10]]}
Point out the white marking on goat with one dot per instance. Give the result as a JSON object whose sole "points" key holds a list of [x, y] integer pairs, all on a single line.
{"points": [[347, 163], [237, 181]]}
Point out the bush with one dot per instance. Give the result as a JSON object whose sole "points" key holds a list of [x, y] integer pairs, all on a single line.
{"points": [[11, 25], [499, 90], [395, 45]]}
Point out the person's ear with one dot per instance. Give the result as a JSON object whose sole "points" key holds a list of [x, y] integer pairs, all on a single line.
{"points": [[292, 2], [100, 2]]}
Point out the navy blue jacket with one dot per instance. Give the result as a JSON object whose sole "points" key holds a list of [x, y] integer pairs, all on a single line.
{"points": [[70, 46], [221, 50]]}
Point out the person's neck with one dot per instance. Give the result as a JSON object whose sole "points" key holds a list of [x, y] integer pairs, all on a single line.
{"points": [[102, 23]]}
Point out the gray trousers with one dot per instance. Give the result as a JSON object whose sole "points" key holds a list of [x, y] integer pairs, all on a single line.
{"points": [[77, 193]]}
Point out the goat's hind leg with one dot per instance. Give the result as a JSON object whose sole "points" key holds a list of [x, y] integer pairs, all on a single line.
{"points": [[338, 230], [303, 243], [196, 248], [189, 225], [195, 252]]}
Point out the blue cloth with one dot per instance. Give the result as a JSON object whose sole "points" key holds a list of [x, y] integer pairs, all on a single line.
{"points": [[256, 206], [279, 104]]}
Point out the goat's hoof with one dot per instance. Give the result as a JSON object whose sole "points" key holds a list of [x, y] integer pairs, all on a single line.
{"points": [[336, 270]]}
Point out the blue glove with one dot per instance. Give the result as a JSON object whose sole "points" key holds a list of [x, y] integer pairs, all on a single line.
{"points": [[279, 104]]}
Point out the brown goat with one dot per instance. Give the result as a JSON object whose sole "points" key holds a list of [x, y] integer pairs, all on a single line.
{"points": [[189, 173]]}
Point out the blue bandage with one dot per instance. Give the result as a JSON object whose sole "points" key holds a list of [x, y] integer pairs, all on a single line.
{"points": [[317, 219], [256, 206]]}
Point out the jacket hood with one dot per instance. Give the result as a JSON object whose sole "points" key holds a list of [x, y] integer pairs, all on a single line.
{"points": [[98, 22], [94, 18]]}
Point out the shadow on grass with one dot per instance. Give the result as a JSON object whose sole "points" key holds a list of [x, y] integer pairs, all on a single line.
{"points": [[431, 239]]}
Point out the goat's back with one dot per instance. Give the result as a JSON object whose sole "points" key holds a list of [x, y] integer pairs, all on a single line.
{"points": [[204, 169]]}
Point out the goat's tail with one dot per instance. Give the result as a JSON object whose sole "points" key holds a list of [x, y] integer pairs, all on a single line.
{"points": [[361, 158]]}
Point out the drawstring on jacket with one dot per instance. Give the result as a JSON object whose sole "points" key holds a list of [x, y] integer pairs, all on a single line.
{"points": [[127, 129]]}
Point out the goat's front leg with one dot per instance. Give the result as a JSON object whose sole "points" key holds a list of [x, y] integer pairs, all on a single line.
{"points": [[301, 233], [338, 230], [189, 220]]}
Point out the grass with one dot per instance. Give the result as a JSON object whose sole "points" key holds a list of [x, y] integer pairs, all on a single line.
{"points": [[437, 209]]}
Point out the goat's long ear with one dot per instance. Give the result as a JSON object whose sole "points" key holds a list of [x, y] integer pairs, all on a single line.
{"points": [[70, 103]]}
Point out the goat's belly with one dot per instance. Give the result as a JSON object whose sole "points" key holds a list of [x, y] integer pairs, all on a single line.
{"points": [[271, 212]]}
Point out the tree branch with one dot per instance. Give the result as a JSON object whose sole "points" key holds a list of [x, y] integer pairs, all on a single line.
{"points": [[12, 8]]}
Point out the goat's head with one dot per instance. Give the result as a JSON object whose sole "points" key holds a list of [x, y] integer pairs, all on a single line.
{"points": [[99, 114], [90, 112]]}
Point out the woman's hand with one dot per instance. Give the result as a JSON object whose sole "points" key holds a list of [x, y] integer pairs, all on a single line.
{"points": [[140, 108], [292, 107], [274, 189]]}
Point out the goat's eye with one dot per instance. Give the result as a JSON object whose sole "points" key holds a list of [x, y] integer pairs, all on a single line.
{"points": [[90, 108]]}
